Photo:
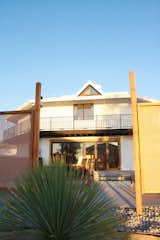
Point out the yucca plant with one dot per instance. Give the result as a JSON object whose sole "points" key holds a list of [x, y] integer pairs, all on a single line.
{"points": [[59, 204]]}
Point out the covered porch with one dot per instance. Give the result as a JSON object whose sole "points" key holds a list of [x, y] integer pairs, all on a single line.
{"points": [[88, 153]]}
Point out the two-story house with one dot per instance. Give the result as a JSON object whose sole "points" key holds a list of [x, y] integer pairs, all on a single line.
{"points": [[90, 128]]}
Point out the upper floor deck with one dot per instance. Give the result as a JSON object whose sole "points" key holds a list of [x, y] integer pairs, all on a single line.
{"points": [[53, 124], [115, 121]]}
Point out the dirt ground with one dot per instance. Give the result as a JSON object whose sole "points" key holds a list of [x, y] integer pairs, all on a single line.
{"points": [[142, 237], [30, 236]]}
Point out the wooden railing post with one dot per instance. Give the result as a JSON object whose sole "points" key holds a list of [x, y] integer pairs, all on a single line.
{"points": [[36, 124], [138, 184]]}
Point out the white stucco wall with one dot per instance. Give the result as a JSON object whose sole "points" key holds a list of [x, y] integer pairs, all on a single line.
{"points": [[60, 115], [44, 148], [111, 108], [127, 159], [100, 108], [57, 111]]}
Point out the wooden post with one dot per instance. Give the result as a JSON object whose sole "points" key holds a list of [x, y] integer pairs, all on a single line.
{"points": [[36, 124], [138, 183]]}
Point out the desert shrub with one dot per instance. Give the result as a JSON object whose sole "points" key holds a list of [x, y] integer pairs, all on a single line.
{"points": [[59, 204]]}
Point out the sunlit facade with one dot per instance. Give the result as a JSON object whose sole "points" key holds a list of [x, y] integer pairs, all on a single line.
{"points": [[90, 128]]}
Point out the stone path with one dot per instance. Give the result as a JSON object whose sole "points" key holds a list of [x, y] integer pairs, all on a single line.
{"points": [[123, 194]]}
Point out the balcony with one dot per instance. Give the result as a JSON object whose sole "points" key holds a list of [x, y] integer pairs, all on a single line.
{"points": [[116, 121], [19, 129]]}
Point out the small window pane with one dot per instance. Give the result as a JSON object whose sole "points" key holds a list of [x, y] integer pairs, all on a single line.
{"points": [[83, 112], [78, 112], [88, 111]]}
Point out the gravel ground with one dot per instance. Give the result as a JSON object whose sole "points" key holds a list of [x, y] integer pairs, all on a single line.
{"points": [[142, 237], [148, 223]]}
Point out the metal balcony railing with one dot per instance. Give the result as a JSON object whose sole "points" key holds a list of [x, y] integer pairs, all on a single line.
{"points": [[17, 130], [115, 121]]}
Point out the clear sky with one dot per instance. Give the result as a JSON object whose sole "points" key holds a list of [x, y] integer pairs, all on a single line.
{"points": [[64, 43]]}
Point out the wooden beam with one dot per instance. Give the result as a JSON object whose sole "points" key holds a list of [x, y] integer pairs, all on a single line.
{"points": [[85, 139], [15, 112], [138, 183], [36, 124], [32, 136]]}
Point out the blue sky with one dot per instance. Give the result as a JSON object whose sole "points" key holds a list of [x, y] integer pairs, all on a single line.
{"points": [[64, 43]]}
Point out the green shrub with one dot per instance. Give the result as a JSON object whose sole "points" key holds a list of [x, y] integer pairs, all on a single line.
{"points": [[59, 204]]}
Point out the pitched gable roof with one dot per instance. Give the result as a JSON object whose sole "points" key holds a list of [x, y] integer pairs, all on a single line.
{"points": [[90, 89]]}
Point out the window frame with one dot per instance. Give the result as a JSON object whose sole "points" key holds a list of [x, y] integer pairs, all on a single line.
{"points": [[83, 115]]}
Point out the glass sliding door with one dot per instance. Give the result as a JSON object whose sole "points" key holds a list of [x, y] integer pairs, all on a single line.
{"points": [[107, 156], [78, 154], [70, 152], [89, 155], [57, 152], [101, 160], [113, 159], [100, 155]]}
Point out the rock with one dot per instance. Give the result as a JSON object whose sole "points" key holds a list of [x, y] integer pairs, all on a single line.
{"points": [[148, 223]]}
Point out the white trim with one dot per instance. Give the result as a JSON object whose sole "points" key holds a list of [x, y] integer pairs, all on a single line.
{"points": [[89, 82], [77, 98], [73, 98]]}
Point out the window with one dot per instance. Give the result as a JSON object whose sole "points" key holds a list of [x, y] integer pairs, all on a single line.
{"points": [[70, 152], [83, 112], [89, 91]]}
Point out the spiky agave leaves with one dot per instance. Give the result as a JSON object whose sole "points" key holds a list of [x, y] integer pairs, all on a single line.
{"points": [[58, 203]]}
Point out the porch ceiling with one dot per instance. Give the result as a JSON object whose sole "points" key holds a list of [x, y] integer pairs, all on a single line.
{"points": [[68, 133]]}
